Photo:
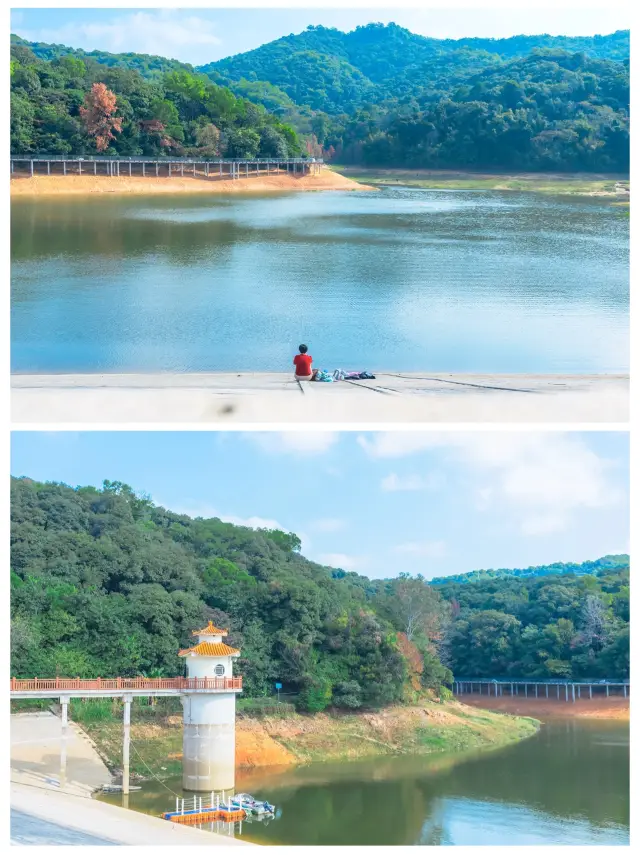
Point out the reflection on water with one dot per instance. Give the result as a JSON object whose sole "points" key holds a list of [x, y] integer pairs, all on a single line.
{"points": [[401, 279], [567, 785]]}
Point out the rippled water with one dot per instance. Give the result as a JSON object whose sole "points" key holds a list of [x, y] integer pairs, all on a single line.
{"points": [[401, 279], [568, 785]]}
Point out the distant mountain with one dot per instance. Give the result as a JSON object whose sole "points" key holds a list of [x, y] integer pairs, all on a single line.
{"points": [[150, 67], [336, 72], [593, 568]]}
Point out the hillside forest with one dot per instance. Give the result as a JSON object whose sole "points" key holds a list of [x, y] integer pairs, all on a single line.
{"points": [[105, 583], [378, 96]]}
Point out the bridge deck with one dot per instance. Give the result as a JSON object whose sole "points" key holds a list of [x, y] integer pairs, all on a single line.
{"points": [[120, 686]]}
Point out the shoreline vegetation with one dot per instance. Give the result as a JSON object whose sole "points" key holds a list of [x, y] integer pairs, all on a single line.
{"points": [[75, 185], [277, 740], [554, 183]]}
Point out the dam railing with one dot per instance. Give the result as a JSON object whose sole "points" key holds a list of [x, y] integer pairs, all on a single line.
{"points": [[562, 689], [139, 165]]}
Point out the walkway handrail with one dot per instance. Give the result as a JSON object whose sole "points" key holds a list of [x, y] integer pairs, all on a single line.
{"points": [[133, 683], [72, 158], [542, 680]]}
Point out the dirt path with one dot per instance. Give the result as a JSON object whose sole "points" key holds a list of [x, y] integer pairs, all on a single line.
{"points": [[603, 708]]}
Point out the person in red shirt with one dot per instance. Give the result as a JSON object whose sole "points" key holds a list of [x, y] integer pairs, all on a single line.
{"points": [[302, 362]]}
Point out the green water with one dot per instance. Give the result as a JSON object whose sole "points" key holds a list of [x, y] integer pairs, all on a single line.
{"points": [[402, 279], [569, 785]]}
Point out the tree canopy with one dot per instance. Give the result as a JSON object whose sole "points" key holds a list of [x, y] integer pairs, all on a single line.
{"points": [[106, 583], [72, 104]]}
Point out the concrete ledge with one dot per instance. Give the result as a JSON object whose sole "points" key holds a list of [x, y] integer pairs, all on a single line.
{"points": [[268, 398], [109, 823]]}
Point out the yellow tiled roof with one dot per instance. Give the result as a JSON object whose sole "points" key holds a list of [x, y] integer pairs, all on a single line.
{"points": [[207, 648], [210, 630]]}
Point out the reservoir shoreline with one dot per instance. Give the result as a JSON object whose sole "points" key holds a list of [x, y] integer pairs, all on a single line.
{"points": [[86, 185]]}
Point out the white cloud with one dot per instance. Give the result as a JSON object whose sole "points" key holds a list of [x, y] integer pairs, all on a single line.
{"points": [[298, 443], [173, 33], [397, 483], [344, 562], [542, 478], [424, 549], [328, 525]]}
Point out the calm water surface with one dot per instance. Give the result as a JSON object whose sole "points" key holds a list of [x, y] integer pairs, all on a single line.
{"points": [[401, 279], [567, 785]]}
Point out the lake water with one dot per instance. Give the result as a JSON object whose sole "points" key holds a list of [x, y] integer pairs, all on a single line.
{"points": [[397, 280], [568, 785]]}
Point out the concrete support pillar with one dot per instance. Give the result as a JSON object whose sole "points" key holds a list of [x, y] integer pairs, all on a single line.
{"points": [[573, 692], [558, 691], [590, 692], [525, 690], [536, 690], [79, 167], [126, 741], [31, 163], [547, 688], [157, 169], [209, 743], [579, 695], [169, 170], [64, 167], [48, 167], [194, 170], [182, 170], [246, 170], [566, 692], [624, 690], [64, 719], [607, 690], [220, 165]]}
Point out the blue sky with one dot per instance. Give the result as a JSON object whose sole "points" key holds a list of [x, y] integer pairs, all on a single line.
{"points": [[204, 35], [379, 503]]}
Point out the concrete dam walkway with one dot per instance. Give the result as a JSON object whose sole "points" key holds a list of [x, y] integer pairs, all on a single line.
{"points": [[42, 813], [227, 398]]}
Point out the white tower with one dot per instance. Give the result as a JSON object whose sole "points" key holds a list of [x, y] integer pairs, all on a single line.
{"points": [[209, 713]]}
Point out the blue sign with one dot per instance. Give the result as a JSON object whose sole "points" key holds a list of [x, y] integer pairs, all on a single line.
{"points": [[278, 685]]}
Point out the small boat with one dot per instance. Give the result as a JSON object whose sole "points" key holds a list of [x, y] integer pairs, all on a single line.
{"points": [[251, 805]]}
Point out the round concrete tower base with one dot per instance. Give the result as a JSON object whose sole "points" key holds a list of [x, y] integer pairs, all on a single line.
{"points": [[209, 743]]}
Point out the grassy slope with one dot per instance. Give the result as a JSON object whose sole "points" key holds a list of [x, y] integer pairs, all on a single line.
{"points": [[430, 728]]}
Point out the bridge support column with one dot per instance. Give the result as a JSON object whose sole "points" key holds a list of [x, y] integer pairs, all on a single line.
{"points": [[64, 167], [566, 692], [624, 690], [31, 162], [126, 742], [209, 742], [64, 719], [547, 688], [79, 167]]}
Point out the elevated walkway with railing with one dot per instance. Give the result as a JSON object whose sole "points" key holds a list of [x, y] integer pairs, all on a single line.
{"points": [[121, 686]]}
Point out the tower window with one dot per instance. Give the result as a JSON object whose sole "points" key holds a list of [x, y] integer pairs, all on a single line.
{"points": [[219, 670]]}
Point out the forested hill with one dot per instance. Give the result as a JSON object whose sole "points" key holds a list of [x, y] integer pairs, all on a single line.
{"points": [[334, 71], [385, 97], [594, 568], [70, 103], [105, 583], [379, 96]]}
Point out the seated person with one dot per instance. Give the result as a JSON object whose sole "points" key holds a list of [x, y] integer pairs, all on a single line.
{"points": [[302, 362]]}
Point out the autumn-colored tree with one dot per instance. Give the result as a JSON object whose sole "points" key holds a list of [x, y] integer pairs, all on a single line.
{"points": [[413, 659], [97, 115]]}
